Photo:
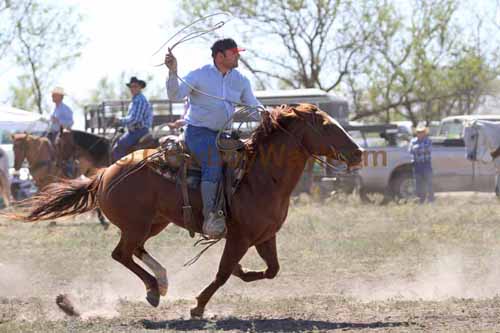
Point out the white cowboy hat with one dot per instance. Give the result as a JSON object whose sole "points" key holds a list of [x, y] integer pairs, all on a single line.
{"points": [[58, 91], [421, 128]]}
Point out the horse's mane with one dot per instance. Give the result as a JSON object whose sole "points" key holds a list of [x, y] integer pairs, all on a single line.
{"points": [[273, 120], [96, 146]]}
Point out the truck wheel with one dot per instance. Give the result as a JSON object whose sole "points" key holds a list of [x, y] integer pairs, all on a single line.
{"points": [[403, 186]]}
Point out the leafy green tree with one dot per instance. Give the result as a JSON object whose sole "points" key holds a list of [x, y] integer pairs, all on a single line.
{"points": [[298, 43], [396, 60], [45, 41], [421, 69], [21, 94], [11, 12], [109, 89]]}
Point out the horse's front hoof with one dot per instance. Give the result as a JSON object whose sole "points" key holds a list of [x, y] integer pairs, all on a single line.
{"points": [[153, 298], [197, 313]]}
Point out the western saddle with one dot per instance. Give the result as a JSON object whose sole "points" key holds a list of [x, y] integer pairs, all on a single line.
{"points": [[175, 163]]}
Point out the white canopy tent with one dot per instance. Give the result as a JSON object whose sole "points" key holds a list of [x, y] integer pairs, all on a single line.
{"points": [[16, 120]]}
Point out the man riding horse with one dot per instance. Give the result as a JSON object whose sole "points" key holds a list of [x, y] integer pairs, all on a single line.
{"points": [[62, 116], [207, 115], [138, 121], [61, 119]]}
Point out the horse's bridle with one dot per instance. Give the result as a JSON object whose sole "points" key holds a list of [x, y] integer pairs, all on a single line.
{"points": [[337, 155]]}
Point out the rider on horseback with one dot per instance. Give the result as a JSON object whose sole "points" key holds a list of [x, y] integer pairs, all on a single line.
{"points": [[207, 115], [138, 120], [61, 119]]}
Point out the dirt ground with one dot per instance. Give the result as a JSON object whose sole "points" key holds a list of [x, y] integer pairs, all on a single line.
{"points": [[344, 266]]}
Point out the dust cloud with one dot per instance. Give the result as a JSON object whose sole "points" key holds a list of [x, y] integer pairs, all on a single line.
{"points": [[448, 276]]}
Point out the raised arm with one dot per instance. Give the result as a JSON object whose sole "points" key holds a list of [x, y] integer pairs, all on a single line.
{"points": [[177, 91]]}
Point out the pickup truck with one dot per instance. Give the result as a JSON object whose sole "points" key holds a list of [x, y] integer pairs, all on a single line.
{"points": [[387, 165]]}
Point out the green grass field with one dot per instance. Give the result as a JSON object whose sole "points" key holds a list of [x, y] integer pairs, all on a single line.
{"points": [[344, 266]]}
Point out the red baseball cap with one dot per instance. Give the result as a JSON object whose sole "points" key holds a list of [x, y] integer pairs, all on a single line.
{"points": [[225, 44]]}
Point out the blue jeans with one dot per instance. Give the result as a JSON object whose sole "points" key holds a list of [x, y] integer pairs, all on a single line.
{"points": [[127, 141], [201, 143], [423, 183]]}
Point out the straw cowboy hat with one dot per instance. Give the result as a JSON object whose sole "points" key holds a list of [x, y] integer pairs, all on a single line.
{"points": [[422, 129], [58, 91]]}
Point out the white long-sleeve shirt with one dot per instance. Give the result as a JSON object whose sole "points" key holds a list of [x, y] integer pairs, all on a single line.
{"points": [[205, 111]]}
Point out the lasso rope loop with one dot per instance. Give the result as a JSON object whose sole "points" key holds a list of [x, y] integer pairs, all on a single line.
{"points": [[194, 34], [248, 109]]}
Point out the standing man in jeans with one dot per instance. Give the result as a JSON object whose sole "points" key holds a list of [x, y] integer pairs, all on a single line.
{"points": [[420, 148], [207, 115], [138, 121]]}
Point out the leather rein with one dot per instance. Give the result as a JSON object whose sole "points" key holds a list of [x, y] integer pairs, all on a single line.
{"points": [[337, 155]]}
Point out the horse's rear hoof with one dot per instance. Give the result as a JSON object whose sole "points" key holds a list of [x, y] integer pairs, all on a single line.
{"points": [[163, 289], [153, 298], [197, 313]]}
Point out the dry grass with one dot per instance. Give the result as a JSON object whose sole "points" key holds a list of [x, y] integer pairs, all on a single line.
{"points": [[344, 266]]}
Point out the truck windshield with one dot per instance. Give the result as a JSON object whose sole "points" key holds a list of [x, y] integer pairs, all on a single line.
{"points": [[451, 129]]}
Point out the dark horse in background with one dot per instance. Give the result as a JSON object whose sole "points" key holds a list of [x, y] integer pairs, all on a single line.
{"points": [[141, 203], [92, 151]]}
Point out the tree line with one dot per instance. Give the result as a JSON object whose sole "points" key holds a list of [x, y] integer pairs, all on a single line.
{"points": [[42, 40], [415, 60]]}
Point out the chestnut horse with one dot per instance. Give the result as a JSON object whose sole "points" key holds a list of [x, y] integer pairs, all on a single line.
{"points": [[41, 156], [142, 203]]}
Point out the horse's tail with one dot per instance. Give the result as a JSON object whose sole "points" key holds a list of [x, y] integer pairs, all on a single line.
{"points": [[65, 198]]}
